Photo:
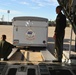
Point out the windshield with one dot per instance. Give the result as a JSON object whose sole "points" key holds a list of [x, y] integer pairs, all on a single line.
{"points": [[32, 39], [35, 54]]}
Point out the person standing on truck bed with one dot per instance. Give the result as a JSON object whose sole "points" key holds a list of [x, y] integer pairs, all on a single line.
{"points": [[5, 48], [59, 33]]}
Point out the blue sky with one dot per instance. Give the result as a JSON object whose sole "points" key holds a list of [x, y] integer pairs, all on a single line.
{"points": [[40, 8]]}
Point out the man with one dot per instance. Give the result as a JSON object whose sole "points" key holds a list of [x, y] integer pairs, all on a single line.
{"points": [[5, 48], [59, 33]]}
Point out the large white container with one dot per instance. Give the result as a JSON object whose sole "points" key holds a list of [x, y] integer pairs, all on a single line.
{"points": [[30, 31]]}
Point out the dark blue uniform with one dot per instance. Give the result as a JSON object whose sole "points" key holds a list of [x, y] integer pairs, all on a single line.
{"points": [[60, 32]]}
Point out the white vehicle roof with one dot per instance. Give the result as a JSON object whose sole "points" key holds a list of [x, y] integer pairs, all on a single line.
{"points": [[24, 18]]}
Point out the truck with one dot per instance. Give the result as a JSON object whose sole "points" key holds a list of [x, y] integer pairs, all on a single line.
{"points": [[30, 31]]}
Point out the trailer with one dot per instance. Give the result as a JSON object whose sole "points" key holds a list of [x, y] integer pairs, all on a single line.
{"points": [[30, 31]]}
